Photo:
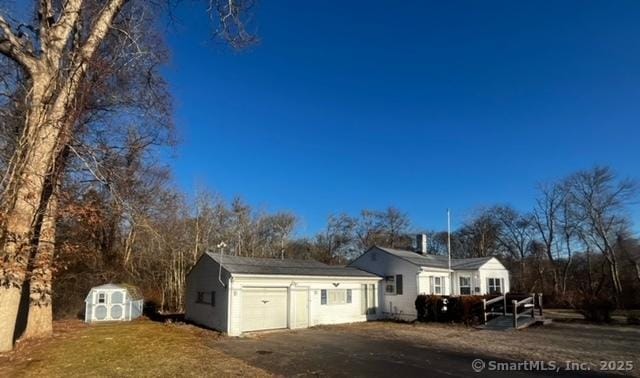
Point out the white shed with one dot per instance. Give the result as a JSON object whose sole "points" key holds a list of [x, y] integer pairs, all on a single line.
{"points": [[112, 302]]}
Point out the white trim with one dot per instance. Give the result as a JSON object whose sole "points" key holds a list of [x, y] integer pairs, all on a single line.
{"points": [[437, 270], [306, 277]]}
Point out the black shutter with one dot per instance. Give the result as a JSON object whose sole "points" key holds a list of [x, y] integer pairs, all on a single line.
{"points": [[398, 283], [213, 298]]}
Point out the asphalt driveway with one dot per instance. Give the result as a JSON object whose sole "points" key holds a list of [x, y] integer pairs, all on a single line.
{"points": [[329, 351]]}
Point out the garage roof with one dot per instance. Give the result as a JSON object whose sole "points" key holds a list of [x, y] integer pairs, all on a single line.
{"points": [[437, 261], [291, 267]]}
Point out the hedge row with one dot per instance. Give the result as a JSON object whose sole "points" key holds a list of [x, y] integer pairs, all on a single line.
{"points": [[447, 309]]}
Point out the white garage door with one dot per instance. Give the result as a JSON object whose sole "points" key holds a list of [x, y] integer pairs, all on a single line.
{"points": [[264, 308]]}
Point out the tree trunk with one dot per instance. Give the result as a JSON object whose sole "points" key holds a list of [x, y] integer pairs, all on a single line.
{"points": [[9, 303], [22, 201], [615, 277], [40, 317], [52, 94], [25, 197]]}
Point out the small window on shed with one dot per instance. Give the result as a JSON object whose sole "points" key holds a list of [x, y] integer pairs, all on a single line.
{"points": [[102, 298], [349, 296]]}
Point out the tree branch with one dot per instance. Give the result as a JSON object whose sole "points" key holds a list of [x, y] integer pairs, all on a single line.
{"points": [[61, 31], [99, 31], [45, 16], [14, 49]]}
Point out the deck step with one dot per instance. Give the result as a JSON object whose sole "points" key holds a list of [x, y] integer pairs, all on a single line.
{"points": [[505, 323]]}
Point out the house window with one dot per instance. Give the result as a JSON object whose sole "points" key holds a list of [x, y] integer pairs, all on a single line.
{"points": [[465, 285], [393, 284], [437, 285], [495, 286], [102, 298], [335, 296], [390, 285], [208, 298]]}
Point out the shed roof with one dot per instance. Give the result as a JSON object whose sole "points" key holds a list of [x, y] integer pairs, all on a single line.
{"points": [[292, 267], [437, 261], [134, 291]]}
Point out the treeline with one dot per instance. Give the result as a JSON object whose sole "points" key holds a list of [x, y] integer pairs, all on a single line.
{"points": [[575, 245]]}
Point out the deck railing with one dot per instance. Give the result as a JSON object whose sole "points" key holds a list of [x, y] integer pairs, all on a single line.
{"points": [[524, 307], [488, 306]]}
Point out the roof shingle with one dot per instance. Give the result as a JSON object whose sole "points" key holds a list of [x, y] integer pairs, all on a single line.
{"points": [[292, 267], [436, 261]]}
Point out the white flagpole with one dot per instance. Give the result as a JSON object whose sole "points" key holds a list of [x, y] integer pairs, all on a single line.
{"points": [[449, 248]]}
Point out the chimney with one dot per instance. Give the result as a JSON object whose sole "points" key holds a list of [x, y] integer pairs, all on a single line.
{"points": [[421, 244]]}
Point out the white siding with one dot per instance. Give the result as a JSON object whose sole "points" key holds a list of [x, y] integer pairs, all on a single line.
{"points": [[204, 278], [425, 280], [384, 264], [494, 269], [317, 312], [474, 275]]}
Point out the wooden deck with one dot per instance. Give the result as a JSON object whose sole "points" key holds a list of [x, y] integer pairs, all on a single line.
{"points": [[518, 313]]}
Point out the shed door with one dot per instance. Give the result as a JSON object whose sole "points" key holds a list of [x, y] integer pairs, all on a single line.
{"points": [[264, 308]]}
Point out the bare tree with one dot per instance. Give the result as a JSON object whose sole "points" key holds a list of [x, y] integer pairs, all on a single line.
{"points": [[546, 217], [478, 237], [55, 54], [600, 202], [515, 236]]}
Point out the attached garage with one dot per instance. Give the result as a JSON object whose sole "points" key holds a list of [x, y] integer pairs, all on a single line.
{"points": [[237, 294], [264, 308]]}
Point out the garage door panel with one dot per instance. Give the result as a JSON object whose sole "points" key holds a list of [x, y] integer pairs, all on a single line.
{"points": [[264, 308]]}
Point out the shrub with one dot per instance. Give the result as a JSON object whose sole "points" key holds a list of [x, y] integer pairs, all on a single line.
{"points": [[597, 309], [462, 309]]}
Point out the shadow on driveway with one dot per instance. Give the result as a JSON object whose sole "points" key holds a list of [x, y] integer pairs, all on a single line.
{"points": [[329, 352]]}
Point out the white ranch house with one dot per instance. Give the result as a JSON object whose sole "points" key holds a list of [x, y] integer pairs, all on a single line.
{"points": [[407, 274], [236, 294]]}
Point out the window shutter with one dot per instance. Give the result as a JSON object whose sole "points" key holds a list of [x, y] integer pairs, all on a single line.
{"points": [[488, 290], [431, 285], [323, 296], [398, 283], [213, 298]]}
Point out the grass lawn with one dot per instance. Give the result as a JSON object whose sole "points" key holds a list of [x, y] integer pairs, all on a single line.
{"points": [[140, 348]]}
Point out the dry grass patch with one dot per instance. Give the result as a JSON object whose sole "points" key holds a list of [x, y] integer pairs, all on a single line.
{"points": [[140, 348]]}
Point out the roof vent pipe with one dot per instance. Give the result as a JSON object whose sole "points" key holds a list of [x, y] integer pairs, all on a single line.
{"points": [[421, 244]]}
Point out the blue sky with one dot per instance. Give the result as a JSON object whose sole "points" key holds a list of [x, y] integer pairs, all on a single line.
{"points": [[422, 105]]}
